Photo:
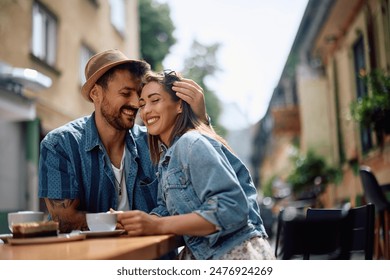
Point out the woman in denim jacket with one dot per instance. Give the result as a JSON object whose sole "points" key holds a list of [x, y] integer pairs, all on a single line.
{"points": [[205, 193]]}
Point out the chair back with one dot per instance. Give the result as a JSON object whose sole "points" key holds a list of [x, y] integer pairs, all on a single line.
{"points": [[357, 228], [372, 190], [329, 234], [311, 237], [361, 230], [285, 214]]}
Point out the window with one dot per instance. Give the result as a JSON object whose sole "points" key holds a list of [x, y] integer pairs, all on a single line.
{"points": [[85, 55], [361, 89], [118, 16], [44, 34]]}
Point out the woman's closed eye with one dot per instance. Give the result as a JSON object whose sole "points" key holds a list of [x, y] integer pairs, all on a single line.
{"points": [[143, 103]]}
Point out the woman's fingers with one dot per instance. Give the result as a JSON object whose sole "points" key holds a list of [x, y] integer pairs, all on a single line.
{"points": [[137, 222]]}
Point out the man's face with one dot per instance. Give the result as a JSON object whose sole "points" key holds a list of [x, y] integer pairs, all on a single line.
{"points": [[119, 102]]}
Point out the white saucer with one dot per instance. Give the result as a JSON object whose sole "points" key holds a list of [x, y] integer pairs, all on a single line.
{"points": [[4, 237], [102, 233]]}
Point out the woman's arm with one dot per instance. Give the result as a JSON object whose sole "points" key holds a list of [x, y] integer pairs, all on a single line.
{"points": [[140, 223]]}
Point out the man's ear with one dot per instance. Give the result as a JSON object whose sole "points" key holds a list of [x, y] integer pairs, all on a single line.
{"points": [[94, 93]]}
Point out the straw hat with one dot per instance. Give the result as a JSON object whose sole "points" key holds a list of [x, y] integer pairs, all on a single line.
{"points": [[99, 64]]}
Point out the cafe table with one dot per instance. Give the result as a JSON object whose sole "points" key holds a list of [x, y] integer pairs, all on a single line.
{"points": [[95, 248]]}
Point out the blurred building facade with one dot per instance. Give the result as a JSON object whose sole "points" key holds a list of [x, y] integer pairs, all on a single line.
{"points": [[310, 107], [55, 38]]}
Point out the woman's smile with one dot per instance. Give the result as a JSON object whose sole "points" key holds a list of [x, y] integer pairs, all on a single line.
{"points": [[152, 120]]}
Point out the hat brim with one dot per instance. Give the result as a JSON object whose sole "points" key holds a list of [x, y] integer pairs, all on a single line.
{"points": [[86, 88]]}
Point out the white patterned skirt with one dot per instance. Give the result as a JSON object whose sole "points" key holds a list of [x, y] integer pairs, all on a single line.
{"points": [[256, 248]]}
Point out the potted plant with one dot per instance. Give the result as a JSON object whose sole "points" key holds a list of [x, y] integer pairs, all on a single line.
{"points": [[310, 175], [373, 110]]}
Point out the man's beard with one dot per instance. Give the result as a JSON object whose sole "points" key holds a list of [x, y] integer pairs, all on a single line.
{"points": [[115, 118]]}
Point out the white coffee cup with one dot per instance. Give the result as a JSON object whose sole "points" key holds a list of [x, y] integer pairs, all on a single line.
{"points": [[24, 217], [101, 221]]}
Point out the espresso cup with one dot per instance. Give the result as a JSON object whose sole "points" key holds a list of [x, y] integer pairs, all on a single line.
{"points": [[24, 217], [101, 221]]}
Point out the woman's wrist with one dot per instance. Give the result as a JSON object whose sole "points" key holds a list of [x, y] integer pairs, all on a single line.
{"points": [[207, 120]]}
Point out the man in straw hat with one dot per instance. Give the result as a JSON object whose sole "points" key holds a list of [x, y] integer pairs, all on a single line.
{"points": [[101, 162]]}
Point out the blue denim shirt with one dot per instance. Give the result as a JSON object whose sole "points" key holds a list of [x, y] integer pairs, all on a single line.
{"points": [[197, 174], [74, 164]]}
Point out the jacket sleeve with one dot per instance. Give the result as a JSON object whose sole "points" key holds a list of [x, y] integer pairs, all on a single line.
{"points": [[223, 200]]}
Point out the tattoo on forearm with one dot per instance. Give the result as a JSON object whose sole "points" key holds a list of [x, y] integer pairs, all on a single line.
{"points": [[64, 211], [63, 203]]}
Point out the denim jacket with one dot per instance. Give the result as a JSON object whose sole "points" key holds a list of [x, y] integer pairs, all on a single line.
{"points": [[198, 174], [74, 164]]}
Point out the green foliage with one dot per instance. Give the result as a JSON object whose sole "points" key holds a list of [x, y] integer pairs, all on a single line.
{"points": [[199, 66], [267, 187], [309, 167], [373, 110], [156, 32], [156, 29]]}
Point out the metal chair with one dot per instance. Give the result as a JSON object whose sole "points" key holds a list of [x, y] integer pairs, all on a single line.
{"points": [[358, 228], [375, 193], [327, 234]]}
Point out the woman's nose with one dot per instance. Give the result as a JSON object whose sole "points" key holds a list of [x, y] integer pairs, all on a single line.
{"points": [[144, 111]]}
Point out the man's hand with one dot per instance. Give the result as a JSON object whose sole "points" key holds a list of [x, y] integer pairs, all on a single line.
{"points": [[192, 93], [64, 211]]}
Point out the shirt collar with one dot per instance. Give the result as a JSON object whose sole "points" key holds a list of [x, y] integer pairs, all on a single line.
{"points": [[93, 139]]}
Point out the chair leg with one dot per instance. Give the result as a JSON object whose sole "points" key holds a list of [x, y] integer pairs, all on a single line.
{"points": [[386, 237], [377, 239]]}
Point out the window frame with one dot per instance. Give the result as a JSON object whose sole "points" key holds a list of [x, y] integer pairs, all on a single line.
{"points": [[44, 34], [118, 15], [85, 54]]}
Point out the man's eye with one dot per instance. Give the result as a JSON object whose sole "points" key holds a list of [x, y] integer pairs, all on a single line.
{"points": [[126, 93]]}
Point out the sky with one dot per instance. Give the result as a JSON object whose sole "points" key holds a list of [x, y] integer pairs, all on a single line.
{"points": [[256, 37]]}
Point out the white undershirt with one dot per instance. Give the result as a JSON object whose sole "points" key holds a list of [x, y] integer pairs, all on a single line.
{"points": [[121, 180]]}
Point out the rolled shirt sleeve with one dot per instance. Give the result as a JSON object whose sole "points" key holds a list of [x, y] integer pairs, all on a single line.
{"points": [[56, 173]]}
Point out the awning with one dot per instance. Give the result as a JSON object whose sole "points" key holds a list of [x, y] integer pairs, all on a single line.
{"points": [[14, 105]]}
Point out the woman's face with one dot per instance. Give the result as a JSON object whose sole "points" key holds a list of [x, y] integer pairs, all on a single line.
{"points": [[158, 111]]}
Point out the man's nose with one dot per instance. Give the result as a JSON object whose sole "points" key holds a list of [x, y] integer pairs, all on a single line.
{"points": [[133, 101]]}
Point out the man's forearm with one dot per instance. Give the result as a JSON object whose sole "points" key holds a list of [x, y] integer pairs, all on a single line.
{"points": [[65, 212]]}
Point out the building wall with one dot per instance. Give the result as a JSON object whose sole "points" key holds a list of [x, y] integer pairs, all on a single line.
{"points": [[339, 69], [13, 168], [326, 90], [315, 123], [79, 22]]}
